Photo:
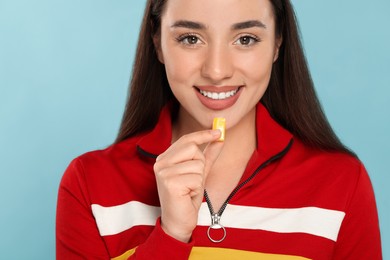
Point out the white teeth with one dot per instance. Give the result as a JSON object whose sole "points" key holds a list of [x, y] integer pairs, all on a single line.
{"points": [[218, 95], [222, 96]]}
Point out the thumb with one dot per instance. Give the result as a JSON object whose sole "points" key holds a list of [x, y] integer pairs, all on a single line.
{"points": [[211, 153]]}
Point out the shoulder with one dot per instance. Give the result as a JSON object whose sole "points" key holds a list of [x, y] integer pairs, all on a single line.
{"points": [[100, 164], [111, 176], [331, 177], [331, 161], [115, 152]]}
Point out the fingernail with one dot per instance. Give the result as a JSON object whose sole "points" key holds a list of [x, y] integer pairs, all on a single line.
{"points": [[216, 132]]}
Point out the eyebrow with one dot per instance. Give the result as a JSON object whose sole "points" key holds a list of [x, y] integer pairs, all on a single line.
{"points": [[189, 25], [199, 26], [248, 24]]}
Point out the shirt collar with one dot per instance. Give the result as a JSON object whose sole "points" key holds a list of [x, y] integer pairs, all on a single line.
{"points": [[159, 139], [271, 137]]}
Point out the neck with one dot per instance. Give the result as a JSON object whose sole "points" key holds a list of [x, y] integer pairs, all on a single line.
{"points": [[240, 141]]}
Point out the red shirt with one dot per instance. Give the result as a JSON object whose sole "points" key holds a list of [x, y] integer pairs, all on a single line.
{"points": [[295, 202]]}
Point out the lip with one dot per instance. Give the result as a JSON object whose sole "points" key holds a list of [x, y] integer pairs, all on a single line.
{"points": [[218, 89], [220, 104]]}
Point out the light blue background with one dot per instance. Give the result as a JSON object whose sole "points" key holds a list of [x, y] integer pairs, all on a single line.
{"points": [[64, 70]]}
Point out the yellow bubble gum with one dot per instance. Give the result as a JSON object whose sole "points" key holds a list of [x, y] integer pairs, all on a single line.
{"points": [[220, 124]]}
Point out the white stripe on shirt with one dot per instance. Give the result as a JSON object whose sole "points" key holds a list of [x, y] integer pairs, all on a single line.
{"points": [[310, 220]]}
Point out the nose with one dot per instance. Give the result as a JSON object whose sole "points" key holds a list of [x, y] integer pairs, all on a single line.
{"points": [[217, 64]]}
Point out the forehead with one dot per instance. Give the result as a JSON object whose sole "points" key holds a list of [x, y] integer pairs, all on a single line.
{"points": [[220, 12]]}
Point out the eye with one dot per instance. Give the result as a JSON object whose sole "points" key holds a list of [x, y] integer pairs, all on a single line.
{"points": [[247, 40], [189, 39]]}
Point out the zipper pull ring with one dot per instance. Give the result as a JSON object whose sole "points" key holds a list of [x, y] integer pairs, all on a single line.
{"points": [[215, 224]]}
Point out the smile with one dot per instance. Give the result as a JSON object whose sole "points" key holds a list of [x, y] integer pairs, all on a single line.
{"points": [[218, 95]]}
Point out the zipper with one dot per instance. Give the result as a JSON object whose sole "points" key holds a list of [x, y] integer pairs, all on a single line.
{"points": [[216, 216]]}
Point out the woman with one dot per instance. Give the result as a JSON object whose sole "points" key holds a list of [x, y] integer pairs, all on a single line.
{"points": [[280, 186]]}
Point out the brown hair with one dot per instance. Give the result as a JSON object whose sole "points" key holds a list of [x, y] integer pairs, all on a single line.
{"points": [[290, 97]]}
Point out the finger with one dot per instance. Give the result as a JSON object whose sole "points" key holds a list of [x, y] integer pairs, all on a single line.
{"points": [[201, 137], [180, 153], [179, 156], [187, 147], [211, 153], [180, 186], [188, 167]]}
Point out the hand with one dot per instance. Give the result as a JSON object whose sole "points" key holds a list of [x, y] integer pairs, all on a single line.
{"points": [[181, 172]]}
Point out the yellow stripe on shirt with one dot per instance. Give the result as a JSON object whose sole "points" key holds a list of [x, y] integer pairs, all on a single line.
{"points": [[125, 256], [215, 253]]}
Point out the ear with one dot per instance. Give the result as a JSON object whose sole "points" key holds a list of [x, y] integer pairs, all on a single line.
{"points": [[157, 47], [278, 43]]}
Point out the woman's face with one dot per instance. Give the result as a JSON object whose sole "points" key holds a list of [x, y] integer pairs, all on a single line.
{"points": [[218, 56]]}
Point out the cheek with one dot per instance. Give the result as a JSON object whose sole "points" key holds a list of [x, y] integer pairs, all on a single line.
{"points": [[179, 65], [257, 67], [179, 70]]}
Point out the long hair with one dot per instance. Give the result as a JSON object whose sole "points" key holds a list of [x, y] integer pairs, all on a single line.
{"points": [[290, 97], [149, 90]]}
